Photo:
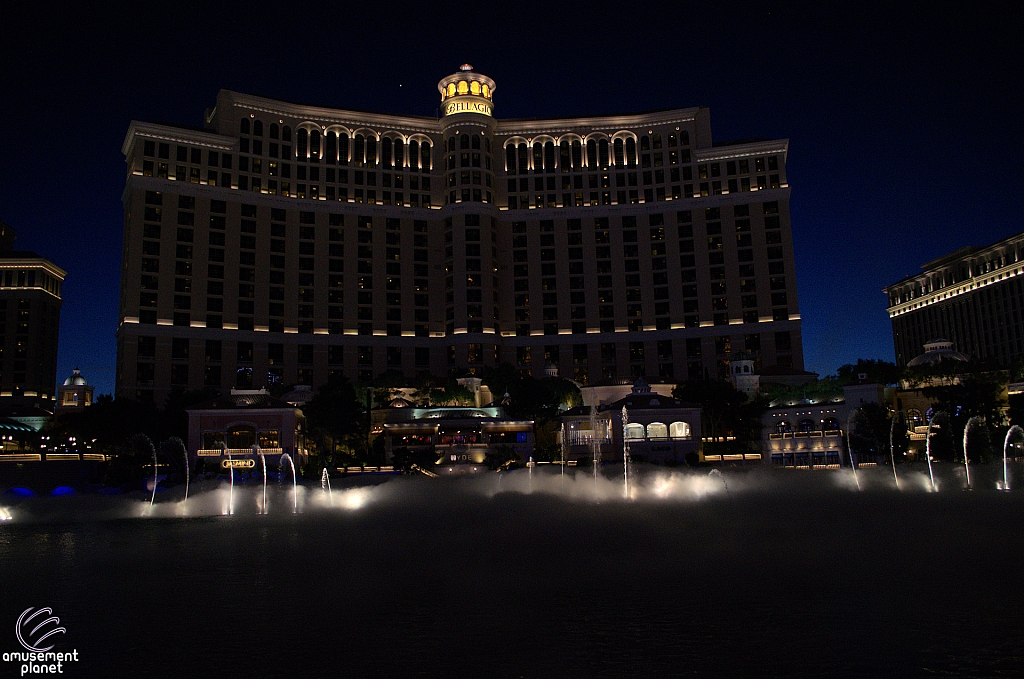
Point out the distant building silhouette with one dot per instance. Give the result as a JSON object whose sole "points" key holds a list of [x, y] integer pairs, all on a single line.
{"points": [[30, 303]]}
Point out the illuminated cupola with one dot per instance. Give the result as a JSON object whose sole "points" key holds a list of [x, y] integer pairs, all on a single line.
{"points": [[467, 92]]}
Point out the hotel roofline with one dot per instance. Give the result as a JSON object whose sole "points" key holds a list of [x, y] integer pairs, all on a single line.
{"points": [[973, 282]]}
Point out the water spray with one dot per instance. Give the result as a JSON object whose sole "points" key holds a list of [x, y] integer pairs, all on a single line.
{"points": [[849, 447], [295, 490], [152, 498], [892, 449], [928, 448], [256, 450], [967, 466], [1006, 445], [231, 473], [325, 485], [625, 454]]}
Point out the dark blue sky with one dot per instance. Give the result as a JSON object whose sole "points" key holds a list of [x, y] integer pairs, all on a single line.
{"points": [[904, 122]]}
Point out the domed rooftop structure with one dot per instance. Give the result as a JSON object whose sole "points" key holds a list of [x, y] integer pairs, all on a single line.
{"points": [[936, 351], [76, 379], [467, 91]]}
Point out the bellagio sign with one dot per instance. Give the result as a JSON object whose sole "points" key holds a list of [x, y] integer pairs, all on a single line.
{"points": [[467, 105]]}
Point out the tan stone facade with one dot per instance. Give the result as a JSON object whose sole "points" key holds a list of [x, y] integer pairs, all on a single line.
{"points": [[285, 242], [973, 297]]}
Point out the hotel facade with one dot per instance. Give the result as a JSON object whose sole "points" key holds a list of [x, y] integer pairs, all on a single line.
{"points": [[285, 242], [30, 303], [973, 297]]}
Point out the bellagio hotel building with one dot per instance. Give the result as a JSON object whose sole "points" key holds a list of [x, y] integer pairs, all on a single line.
{"points": [[286, 242]]}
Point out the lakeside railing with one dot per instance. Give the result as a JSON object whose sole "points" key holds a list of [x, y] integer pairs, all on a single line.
{"points": [[53, 457], [235, 452]]}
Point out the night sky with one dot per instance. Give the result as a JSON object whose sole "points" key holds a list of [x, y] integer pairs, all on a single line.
{"points": [[904, 124]]}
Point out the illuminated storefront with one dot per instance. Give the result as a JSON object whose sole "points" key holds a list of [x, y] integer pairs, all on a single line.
{"points": [[242, 423]]}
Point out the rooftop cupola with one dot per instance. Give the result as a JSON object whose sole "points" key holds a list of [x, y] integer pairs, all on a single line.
{"points": [[467, 92]]}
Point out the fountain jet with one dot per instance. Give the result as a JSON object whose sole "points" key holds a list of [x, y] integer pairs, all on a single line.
{"points": [[967, 466], [325, 485], [892, 449], [625, 454], [152, 498], [1006, 445], [231, 474], [928, 447], [256, 450], [285, 457], [849, 447]]}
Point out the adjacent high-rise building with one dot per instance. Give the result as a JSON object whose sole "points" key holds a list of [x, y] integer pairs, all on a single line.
{"points": [[30, 301], [973, 297], [285, 242]]}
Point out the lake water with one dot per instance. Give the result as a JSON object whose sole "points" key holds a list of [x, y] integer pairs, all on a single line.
{"points": [[787, 574]]}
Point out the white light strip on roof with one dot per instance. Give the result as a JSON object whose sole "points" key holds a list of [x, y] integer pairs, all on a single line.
{"points": [[943, 294]]}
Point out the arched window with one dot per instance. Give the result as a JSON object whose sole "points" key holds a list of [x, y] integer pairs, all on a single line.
{"points": [[684, 137], [301, 138], [385, 151], [631, 152], [634, 430], [577, 155], [286, 133], [464, 141], [343, 148], [564, 161], [645, 143], [463, 87], [679, 430], [806, 425], [620, 160], [549, 156], [414, 155], [914, 418], [243, 126], [486, 91], [451, 89], [314, 144], [474, 88], [476, 141], [602, 154], [274, 131], [451, 143], [783, 427], [657, 430], [524, 159], [331, 147], [592, 154], [425, 157], [257, 128], [510, 159], [399, 154], [371, 151], [831, 424], [358, 150], [538, 157]]}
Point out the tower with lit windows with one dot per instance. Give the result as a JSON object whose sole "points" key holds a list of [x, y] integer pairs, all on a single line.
{"points": [[30, 302], [286, 242]]}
